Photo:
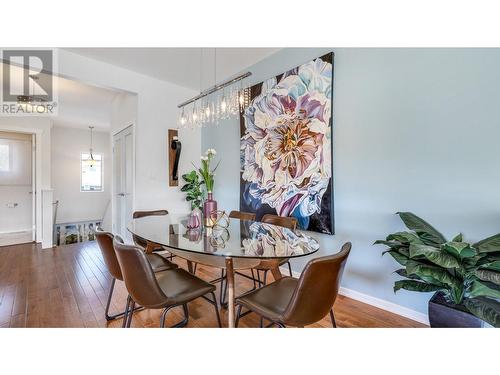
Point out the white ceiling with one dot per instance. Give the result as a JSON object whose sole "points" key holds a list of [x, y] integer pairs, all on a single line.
{"points": [[180, 65], [80, 105]]}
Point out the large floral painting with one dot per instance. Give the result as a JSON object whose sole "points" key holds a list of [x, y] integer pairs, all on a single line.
{"points": [[286, 146]]}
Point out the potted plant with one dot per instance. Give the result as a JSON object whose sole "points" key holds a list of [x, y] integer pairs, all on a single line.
{"points": [[193, 188], [465, 277]]}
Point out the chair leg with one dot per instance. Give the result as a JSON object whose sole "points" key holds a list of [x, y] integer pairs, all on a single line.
{"points": [[182, 323], [253, 277], [186, 316], [289, 268], [265, 277], [238, 314], [223, 299], [272, 324], [216, 309], [131, 314], [332, 317], [108, 304], [194, 269], [258, 279], [127, 308], [163, 314]]}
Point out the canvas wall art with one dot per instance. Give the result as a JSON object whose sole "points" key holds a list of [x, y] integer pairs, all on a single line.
{"points": [[286, 147]]}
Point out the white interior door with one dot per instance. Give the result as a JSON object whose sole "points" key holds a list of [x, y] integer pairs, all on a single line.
{"points": [[123, 170], [16, 188]]}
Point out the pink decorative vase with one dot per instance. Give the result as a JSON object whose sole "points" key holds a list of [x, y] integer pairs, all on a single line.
{"points": [[209, 206], [194, 235], [194, 219]]}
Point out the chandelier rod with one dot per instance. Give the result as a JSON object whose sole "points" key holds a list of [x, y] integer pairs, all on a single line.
{"points": [[215, 88]]}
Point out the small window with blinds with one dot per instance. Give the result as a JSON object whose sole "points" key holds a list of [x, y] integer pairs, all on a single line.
{"points": [[91, 173]]}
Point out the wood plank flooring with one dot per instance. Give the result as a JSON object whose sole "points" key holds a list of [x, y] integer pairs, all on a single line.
{"points": [[68, 287]]}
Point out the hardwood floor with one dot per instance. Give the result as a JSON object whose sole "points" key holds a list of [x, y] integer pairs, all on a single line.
{"points": [[68, 287]]}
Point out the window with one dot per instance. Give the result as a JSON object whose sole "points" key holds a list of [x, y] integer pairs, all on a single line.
{"points": [[91, 173], [4, 158]]}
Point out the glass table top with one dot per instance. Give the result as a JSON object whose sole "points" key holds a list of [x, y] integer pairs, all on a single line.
{"points": [[241, 239]]}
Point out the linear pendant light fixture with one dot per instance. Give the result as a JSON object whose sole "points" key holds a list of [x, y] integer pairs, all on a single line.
{"points": [[221, 101]]}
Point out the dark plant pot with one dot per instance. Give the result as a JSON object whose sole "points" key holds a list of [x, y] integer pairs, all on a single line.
{"points": [[446, 315]]}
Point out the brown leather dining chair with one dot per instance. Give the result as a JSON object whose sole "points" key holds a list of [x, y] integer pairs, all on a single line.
{"points": [[105, 242], [281, 221], [141, 242], [303, 301], [287, 222], [242, 215], [163, 290]]}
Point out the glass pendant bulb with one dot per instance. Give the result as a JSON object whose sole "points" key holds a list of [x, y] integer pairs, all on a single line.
{"points": [[207, 112], [241, 100], [201, 115], [212, 112], [233, 100], [223, 106], [194, 116], [182, 119]]}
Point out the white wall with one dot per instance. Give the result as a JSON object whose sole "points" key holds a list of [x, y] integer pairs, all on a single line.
{"points": [[156, 113], [413, 130], [67, 146], [41, 126], [123, 112]]}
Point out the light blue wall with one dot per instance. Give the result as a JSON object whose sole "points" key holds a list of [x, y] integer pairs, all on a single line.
{"points": [[414, 130]]}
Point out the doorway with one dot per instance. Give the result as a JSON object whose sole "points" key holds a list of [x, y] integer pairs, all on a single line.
{"points": [[17, 188], [123, 177]]}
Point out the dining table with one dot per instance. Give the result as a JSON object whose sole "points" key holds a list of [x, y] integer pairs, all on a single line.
{"points": [[234, 245]]}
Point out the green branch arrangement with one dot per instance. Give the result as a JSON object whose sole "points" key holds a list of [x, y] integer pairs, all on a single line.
{"points": [[467, 274]]}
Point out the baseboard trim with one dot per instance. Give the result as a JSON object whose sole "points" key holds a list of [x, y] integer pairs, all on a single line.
{"points": [[377, 302], [14, 232]]}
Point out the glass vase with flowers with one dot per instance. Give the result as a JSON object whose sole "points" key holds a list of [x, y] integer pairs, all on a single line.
{"points": [[208, 175]]}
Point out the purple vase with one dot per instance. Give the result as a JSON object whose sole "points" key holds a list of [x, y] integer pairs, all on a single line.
{"points": [[209, 206], [193, 220]]}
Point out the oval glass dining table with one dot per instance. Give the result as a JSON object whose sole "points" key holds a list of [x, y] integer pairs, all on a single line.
{"points": [[242, 245]]}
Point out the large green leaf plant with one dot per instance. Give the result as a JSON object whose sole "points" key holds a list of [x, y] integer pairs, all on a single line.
{"points": [[192, 188], [467, 274]]}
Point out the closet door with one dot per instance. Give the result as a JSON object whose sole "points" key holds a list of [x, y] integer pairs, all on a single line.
{"points": [[123, 168]]}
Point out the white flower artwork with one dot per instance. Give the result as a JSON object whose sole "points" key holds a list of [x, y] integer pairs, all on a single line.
{"points": [[286, 152]]}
